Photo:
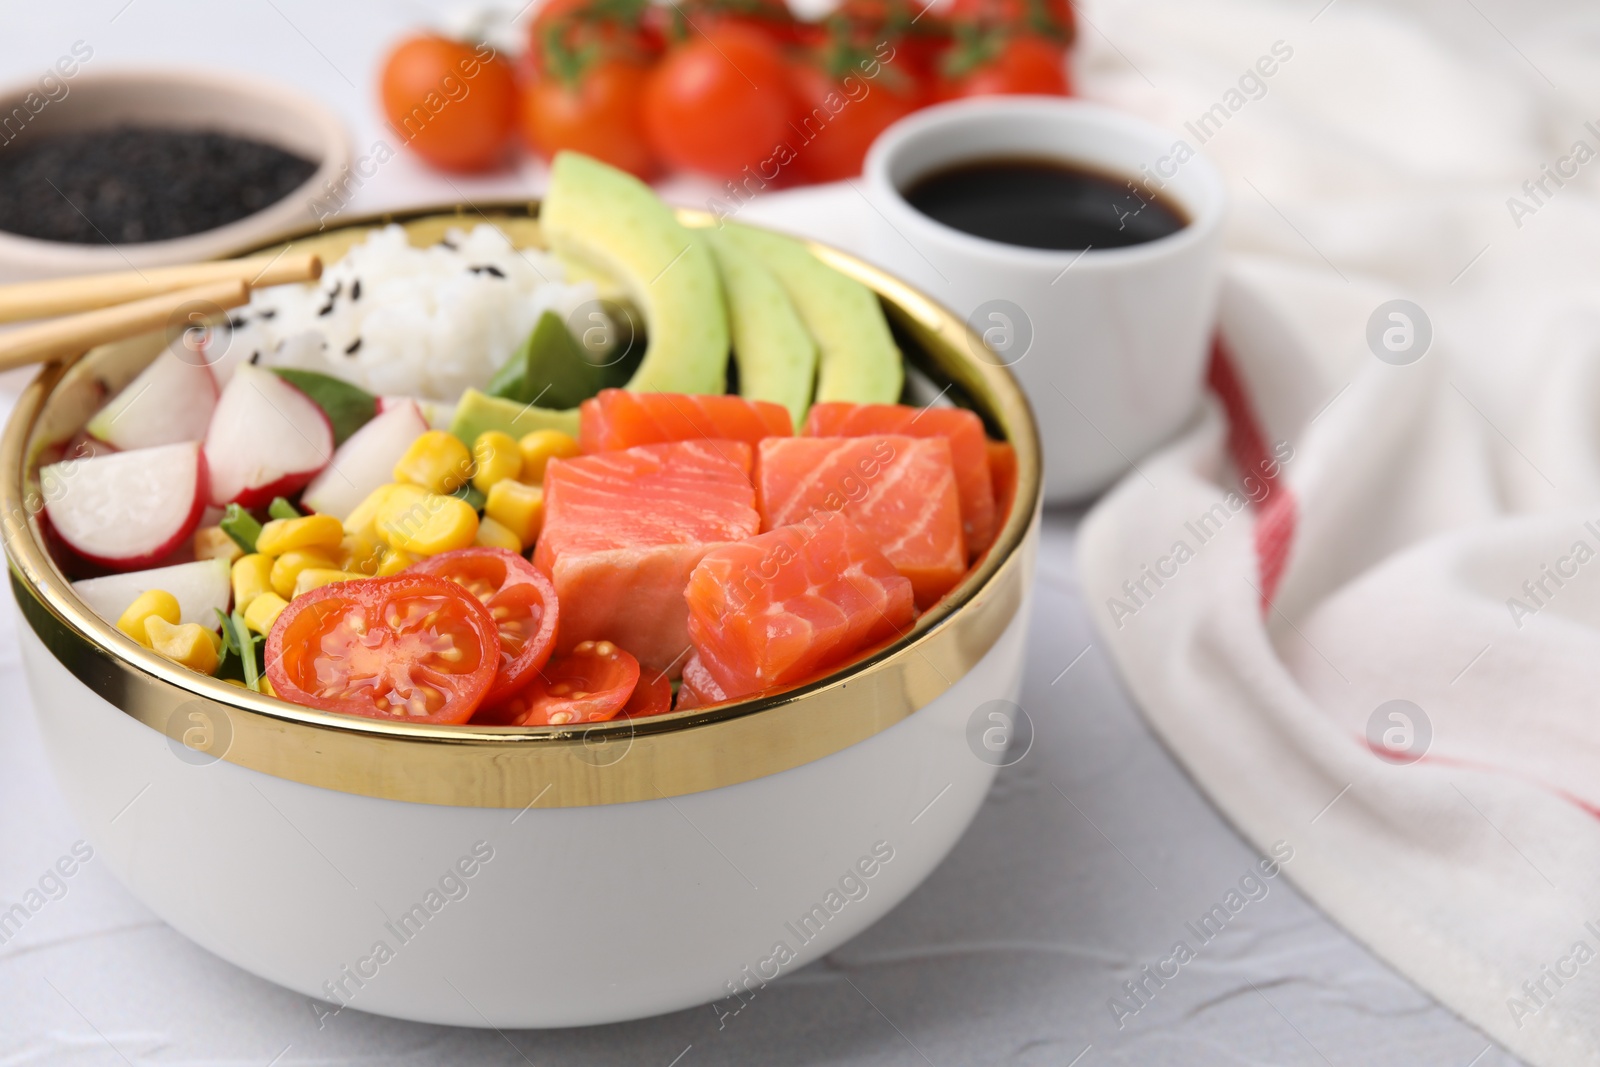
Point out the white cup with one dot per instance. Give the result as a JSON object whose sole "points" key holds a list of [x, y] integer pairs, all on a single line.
{"points": [[1110, 344]]}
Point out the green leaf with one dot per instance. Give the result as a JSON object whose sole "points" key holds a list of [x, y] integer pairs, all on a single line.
{"points": [[553, 370], [348, 407]]}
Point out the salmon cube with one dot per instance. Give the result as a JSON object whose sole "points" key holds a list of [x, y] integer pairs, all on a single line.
{"points": [[787, 605], [616, 418], [900, 490], [624, 530], [968, 451]]}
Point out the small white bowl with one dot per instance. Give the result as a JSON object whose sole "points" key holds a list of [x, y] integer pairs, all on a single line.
{"points": [[222, 103]]}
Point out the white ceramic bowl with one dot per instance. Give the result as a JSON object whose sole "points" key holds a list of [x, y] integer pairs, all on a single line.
{"points": [[526, 877]]}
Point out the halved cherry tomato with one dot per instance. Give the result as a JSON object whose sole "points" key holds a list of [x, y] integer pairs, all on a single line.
{"points": [[652, 696], [521, 601], [413, 647], [589, 684]]}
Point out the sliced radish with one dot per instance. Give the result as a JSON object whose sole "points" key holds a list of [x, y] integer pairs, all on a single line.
{"points": [[438, 414], [365, 461], [202, 589], [129, 509], [170, 401], [266, 439]]}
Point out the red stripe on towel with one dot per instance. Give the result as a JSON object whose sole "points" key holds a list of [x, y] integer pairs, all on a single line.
{"points": [[1276, 511]]}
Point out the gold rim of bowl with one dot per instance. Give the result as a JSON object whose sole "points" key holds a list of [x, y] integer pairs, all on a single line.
{"points": [[520, 767]]}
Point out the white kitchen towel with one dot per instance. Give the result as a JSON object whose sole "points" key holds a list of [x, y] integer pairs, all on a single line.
{"points": [[1360, 597]]}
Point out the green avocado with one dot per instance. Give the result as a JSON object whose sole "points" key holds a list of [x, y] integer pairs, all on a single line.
{"points": [[858, 360], [612, 222], [776, 356], [479, 412]]}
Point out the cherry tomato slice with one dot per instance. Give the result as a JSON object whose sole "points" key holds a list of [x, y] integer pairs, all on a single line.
{"points": [[411, 647], [652, 696], [521, 601], [589, 685]]}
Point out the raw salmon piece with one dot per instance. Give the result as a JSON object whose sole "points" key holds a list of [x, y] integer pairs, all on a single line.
{"points": [[900, 490], [1003, 471], [784, 606], [967, 451], [699, 689], [624, 530], [616, 418]]}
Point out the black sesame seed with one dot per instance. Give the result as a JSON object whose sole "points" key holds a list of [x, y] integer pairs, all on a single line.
{"points": [[267, 313], [326, 309], [355, 290], [255, 357], [353, 347]]}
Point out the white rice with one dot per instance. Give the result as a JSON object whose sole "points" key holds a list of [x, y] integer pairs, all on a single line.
{"points": [[404, 321]]}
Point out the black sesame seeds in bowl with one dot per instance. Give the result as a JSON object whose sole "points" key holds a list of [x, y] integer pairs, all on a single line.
{"points": [[149, 168]]}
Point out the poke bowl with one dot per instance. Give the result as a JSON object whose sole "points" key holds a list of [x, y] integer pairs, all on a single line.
{"points": [[563, 873]]}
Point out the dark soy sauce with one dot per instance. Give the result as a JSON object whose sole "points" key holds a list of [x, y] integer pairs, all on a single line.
{"points": [[1041, 203]]}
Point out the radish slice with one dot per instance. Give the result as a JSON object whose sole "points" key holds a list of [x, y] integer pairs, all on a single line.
{"points": [[129, 509], [170, 401], [438, 414], [201, 587], [266, 439], [366, 461]]}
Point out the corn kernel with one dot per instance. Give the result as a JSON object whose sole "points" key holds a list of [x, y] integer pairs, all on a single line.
{"points": [[189, 645], [252, 576], [266, 686], [211, 543], [517, 507], [435, 524], [286, 535], [365, 514], [264, 611], [317, 577], [287, 567], [360, 553], [402, 507], [492, 534], [150, 604], [495, 457], [539, 448], [394, 561], [437, 461]]}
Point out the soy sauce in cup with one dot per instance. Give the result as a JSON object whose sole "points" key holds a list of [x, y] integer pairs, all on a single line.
{"points": [[1044, 203]]}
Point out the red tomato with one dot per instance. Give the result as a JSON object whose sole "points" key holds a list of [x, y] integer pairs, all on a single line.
{"points": [[599, 114], [412, 647], [616, 28], [719, 103], [521, 601], [1023, 65], [1051, 19], [843, 117], [454, 104], [652, 696], [590, 684]]}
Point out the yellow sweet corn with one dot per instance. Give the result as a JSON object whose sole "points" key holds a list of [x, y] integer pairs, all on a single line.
{"points": [[286, 535], [401, 507], [436, 461], [211, 543], [287, 567], [518, 507], [495, 457], [266, 687], [190, 644], [394, 561], [150, 604], [539, 448], [252, 576], [317, 577], [264, 611], [360, 553], [360, 521], [492, 534], [434, 524]]}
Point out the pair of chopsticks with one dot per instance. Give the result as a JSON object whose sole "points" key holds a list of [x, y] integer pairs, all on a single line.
{"points": [[98, 308]]}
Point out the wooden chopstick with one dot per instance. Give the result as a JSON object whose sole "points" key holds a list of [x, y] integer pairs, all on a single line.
{"points": [[74, 334], [61, 296]]}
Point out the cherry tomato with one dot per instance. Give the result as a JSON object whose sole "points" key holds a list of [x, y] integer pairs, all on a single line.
{"points": [[453, 103], [720, 102], [1022, 64], [521, 601], [861, 108], [589, 684], [652, 696], [413, 647], [904, 36], [613, 29], [1052, 20], [599, 112]]}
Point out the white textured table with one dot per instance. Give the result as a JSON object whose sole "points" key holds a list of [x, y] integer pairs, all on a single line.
{"points": [[1089, 859]]}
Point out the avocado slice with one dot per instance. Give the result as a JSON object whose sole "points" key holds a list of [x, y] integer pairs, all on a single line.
{"points": [[479, 412], [774, 353], [857, 357], [551, 369], [614, 223]]}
